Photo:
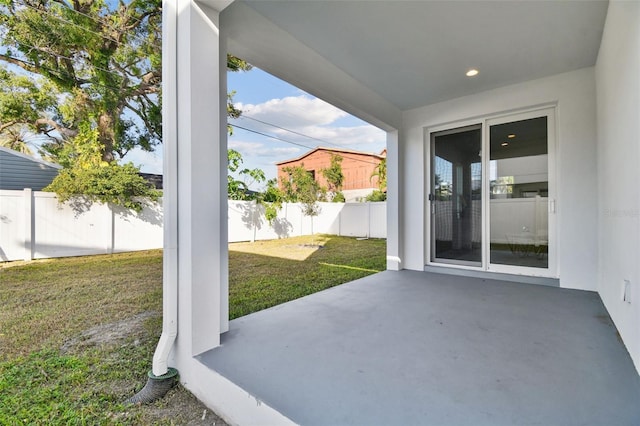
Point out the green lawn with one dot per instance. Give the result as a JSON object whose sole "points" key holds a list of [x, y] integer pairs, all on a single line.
{"points": [[77, 334], [267, 273]]}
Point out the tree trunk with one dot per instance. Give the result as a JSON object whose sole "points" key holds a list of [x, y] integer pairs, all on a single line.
{"points": [[106, 135]]}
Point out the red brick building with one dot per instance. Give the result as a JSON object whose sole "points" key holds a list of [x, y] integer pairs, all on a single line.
{"points": [[357, 168]]}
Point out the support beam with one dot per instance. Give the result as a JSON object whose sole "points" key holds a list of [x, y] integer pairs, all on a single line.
{"points": [[394, 202], [201, 179]]}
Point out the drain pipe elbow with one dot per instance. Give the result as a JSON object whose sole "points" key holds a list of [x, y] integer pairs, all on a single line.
{"points": [[161, 355], [156, 387], [162, 378]]}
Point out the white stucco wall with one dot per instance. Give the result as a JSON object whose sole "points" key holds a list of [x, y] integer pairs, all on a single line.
{"points": [[573, 94], [618, 91]]}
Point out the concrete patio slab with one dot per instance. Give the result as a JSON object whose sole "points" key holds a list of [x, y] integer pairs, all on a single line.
{"points": [[418, 348]]}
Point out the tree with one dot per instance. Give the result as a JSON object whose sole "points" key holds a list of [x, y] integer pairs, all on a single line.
{"points": [[301, 187], [239, 189], [376, 195], [89, 88], [380, 172], [234, 64], [21, 99], [271, 199], [103, 62], [107, 183], [334, 176], [90, 80]]}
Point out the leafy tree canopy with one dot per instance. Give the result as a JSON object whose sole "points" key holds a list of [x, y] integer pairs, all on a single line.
{"points": [[89, 87], [99, 65], [238, 189], [107, 183], [380, 172], [335, 178], [301, 187]]}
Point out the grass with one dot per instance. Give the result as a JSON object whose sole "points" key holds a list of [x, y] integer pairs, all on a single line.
{"points": [[267, 273], [53, 371]]}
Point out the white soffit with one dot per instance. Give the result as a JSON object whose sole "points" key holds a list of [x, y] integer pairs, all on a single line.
{"points": [[217, 5], [415, 53]]}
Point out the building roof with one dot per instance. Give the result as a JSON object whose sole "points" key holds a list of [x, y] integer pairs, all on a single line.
{"points": [[335, 150], [19, 171], [9, 151]]}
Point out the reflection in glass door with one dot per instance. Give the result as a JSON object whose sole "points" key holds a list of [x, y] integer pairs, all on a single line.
{"points": [[456, 196], [519, 193]]}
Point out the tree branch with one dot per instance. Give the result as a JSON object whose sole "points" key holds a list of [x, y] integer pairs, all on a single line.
{"points": [[64, 131], [145, 89], [140, 19], [7, 125], [142, 114], [27, 66]]}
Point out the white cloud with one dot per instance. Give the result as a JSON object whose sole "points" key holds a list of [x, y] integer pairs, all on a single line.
{"points": [[358, 137], [309, 121], [294, 112], [309, 117], [262, 150]]}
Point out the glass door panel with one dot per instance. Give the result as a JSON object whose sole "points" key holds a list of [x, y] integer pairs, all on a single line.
{"points": [[456, 196], [519, 193]]}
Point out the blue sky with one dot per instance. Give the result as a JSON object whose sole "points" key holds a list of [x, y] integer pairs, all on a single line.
{"points": [[309, 122], [294, 116]]}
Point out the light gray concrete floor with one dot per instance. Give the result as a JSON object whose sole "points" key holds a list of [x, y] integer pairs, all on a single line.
{"points": [[419, 348]]}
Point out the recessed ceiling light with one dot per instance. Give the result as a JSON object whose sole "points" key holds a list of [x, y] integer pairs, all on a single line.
{"points": [[472, 72], [504, 144], [511, 136]]}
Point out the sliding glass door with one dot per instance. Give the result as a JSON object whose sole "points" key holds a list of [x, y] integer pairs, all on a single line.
{"points": [[492, 195], [456, 191], [520, 193]]}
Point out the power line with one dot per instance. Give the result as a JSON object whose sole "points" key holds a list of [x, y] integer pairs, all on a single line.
{"points": [[269, 136], [288, 130], [84, 28], [293, 143], [71, 59], [60, 18], [49, 12], [59, 73], [296, 133], [130, 35]]}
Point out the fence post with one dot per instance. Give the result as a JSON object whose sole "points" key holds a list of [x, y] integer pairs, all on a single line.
{"points": [[253, 204], [28, 223], [368, 219], [111, 225]]}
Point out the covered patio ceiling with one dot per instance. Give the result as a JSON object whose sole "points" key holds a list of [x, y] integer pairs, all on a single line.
{"points": [[416, 53]]}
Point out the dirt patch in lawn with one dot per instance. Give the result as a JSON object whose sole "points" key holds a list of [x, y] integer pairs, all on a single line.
{"points": [[178, 407], [109, 334], [297, 248]]}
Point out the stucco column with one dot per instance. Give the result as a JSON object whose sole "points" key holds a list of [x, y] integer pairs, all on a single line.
{"points": [[195, 171], [394, 202]]}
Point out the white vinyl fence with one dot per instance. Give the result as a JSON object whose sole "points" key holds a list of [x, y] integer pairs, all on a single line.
{"points": [[248, 223], [33, 225], [508, 217]]}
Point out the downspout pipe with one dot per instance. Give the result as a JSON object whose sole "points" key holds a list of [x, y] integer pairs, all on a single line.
{"points": [[161, 377], [170, 185]]}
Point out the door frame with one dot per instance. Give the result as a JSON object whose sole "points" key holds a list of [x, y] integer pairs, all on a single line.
{"points": [[430, 206], [485, 121]]}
